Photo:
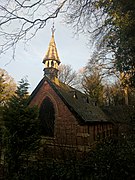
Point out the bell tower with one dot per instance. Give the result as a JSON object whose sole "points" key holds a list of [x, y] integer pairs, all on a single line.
{"points": [[51, 59]]}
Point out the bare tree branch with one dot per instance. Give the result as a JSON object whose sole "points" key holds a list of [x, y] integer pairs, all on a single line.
{"points": [[67, 75], [21, 20]]}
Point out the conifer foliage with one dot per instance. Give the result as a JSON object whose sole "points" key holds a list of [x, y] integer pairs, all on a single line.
{"points": [[7, 87], [21, 129]]}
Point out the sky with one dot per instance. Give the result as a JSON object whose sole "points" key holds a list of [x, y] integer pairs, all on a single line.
{"points": [[72, 50]]}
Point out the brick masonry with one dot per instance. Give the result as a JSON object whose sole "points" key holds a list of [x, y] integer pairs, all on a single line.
{"points": [[68, 132]]}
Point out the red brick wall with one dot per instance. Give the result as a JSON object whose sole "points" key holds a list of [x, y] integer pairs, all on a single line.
{"points": [[67, 129], [65, 123]]}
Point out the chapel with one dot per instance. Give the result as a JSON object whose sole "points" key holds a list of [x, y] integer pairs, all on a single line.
{"points": [[68, 118]]}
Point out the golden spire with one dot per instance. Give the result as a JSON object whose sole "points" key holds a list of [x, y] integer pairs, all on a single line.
{"points": [[52, 53], [51, 59]]}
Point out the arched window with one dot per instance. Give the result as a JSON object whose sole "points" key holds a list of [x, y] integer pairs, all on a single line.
{"points": [[47, 117]]}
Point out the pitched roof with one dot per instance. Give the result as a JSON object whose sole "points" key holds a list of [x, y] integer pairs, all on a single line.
{"points": [[120, 113], [77, 102]]}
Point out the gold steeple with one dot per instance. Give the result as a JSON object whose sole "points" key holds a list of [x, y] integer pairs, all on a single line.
{"points": [[51, 59], [52, 53]]}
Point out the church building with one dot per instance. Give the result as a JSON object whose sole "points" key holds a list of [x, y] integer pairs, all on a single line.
{"points": [[68, 118]]}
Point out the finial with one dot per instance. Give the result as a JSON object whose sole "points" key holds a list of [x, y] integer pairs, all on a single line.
{"points": [[53, 29]]}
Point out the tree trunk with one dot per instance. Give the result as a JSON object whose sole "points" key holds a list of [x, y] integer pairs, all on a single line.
{"points": [[126, 95]]}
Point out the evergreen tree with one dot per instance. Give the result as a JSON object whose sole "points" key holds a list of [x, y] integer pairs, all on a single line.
{"points": [[21, 129], [7, 87]]}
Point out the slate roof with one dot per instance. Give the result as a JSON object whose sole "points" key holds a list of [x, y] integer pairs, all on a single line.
{"points": [[77, 102], [120, 113]]}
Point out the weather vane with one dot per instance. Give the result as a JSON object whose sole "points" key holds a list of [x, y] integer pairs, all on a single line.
{"points": [[53, 29]]}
